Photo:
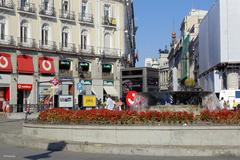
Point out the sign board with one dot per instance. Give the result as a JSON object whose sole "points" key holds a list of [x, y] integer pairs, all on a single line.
{"points": [[89, 101], [108, 83], [24, 87], [87, 82], [65, 101], [79, 86], [55, 81]]}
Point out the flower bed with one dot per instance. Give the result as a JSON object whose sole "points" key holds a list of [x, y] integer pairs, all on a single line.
{"points": [[102, 116]]}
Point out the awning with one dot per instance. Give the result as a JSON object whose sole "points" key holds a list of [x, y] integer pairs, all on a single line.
{"points": [[5, 63], [25, 64], [111, 90], [46, 65]]}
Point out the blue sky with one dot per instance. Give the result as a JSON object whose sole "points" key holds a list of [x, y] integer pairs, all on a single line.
{"points": [[156, 19]]}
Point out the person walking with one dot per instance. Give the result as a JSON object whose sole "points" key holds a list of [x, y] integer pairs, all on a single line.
{"points": [[109, 103]]}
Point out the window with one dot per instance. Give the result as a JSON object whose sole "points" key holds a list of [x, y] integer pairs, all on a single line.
{"points": [[84, 8], [45, 4], [106, 11], [65, 37], [65, 6], [45, 31], [84, 39], [23, 3], [2, 28], [24, 31], [107, 40]]}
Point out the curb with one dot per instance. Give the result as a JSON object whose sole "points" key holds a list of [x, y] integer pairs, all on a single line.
{"points": [[173, 151]]}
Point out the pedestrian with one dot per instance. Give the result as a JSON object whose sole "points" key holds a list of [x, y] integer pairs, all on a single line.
{"points": [[235, 104], [221, 103], [109, 103], [118, 104]]}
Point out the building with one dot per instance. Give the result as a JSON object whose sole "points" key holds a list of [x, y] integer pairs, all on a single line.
{"points": [[152, 62], [142, 79], [164, 70], [182, 56], [219, 61], [72, 40], [160, 63]]}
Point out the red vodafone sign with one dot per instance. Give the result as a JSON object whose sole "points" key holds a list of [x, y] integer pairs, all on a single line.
{"points": [[130, 98], [24, 87]]}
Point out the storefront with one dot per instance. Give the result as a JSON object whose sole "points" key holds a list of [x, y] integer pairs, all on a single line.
{"points": [[5, 78], [45, 88], [25, 81]]}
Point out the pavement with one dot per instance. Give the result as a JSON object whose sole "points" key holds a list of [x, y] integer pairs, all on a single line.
{"points": [[14, 145]]}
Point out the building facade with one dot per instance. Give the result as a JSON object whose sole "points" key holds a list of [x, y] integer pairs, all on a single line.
{"points": [[219, 61], [182, 54], [72, 40]]}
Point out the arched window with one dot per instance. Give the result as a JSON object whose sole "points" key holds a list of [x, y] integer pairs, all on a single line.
{"points": [[84, 39], [45, 31], [24, 31], [65, 37], [107, 40], [2, 28]]}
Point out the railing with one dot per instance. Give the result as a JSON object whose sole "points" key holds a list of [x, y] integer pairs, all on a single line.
{"points": [[49, 11], [110, 51], [107, 75], [48, 45], [26, 7], [88, 18], [67, 47], [6, 4], [27, 42], [33, 107], [6, 40], [86, 49], [65, 73], [109, 21], [70, 15], [85, 75]]}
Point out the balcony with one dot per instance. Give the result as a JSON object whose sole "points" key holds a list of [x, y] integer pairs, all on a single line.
{"points": [[67, 15], [109, 21], [26, 7], [48, 12], [110, 51], [65, 73], [48, 45], [107, 75], [27, 42], [6, 5], [85, 75], [86, 49], [7, 40], [86, 18], [67, 47]]}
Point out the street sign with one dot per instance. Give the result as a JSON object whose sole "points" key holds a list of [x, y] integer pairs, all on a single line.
{"points": [[55, 81], [79, 86]]}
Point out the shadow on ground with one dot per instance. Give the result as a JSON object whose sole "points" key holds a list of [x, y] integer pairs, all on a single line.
{"points": [[52, 147]]}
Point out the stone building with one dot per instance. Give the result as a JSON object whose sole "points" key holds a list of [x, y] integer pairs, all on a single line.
{"points": [[72, 40]]}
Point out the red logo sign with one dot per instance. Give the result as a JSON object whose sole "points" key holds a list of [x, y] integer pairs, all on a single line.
{"points": [[24, 87], [55, 81], [3, 62], [130, 98]]}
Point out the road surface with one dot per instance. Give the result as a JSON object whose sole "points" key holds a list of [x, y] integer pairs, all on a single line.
{"points": [[8, 152]]}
